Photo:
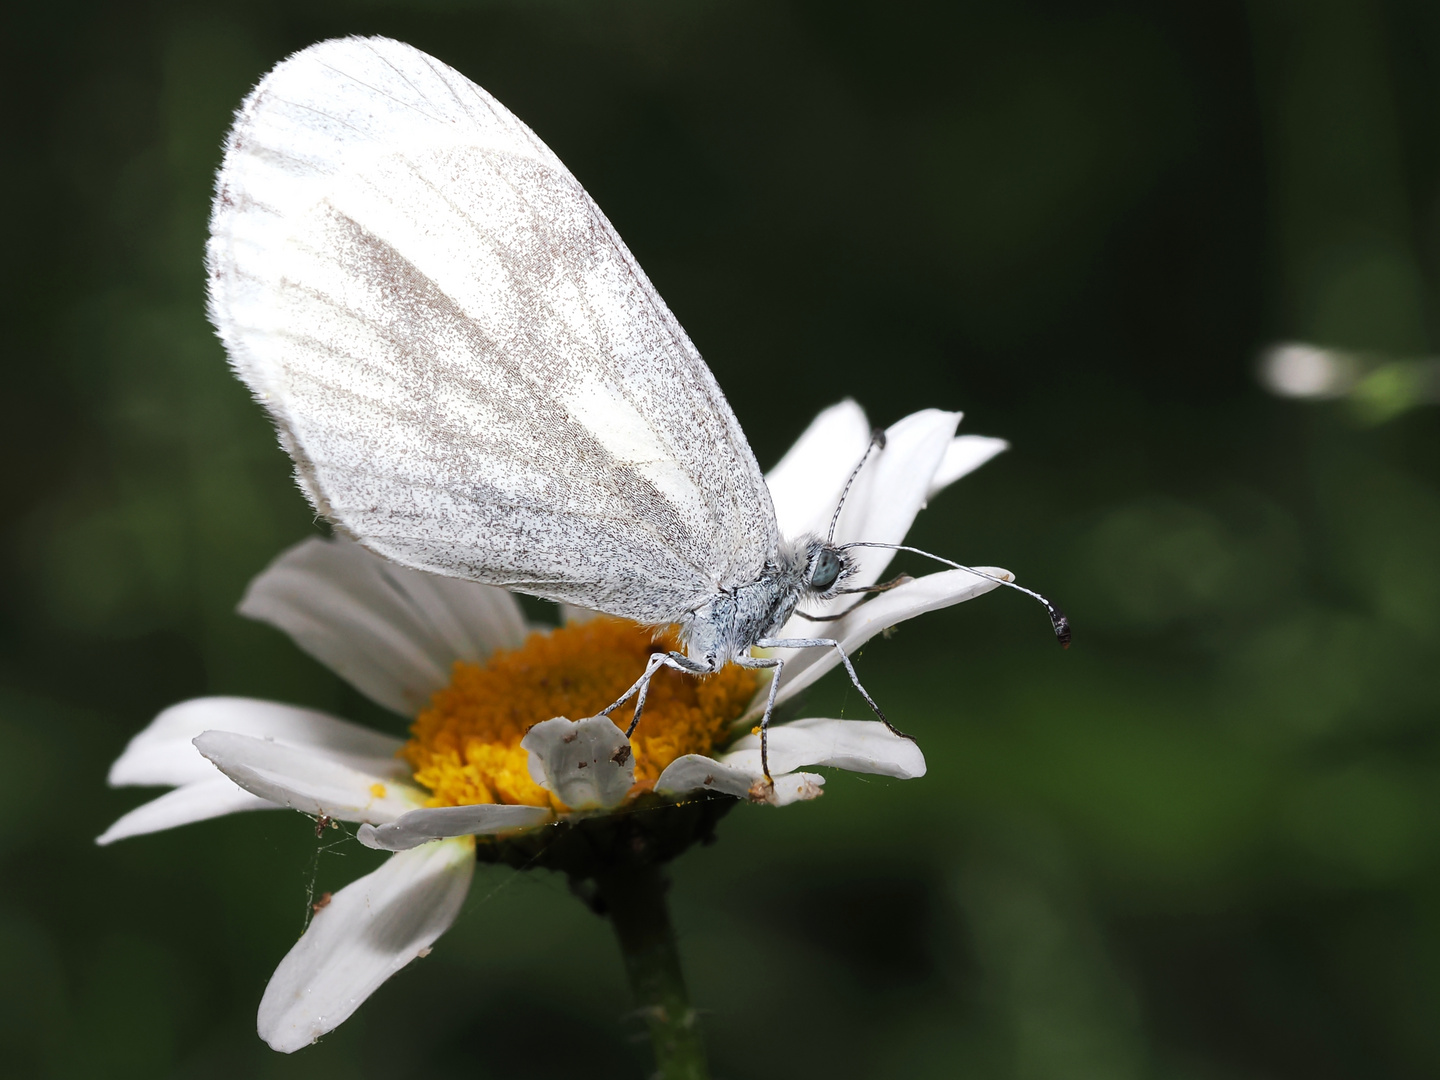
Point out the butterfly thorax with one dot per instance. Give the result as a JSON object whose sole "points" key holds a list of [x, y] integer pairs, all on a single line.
{"points": [[740, 616]]}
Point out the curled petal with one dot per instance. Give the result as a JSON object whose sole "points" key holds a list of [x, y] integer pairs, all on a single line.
{"points": [[965, 454], [586, 763], [212, 797], [164, 753], [370, 929], [695, 772], [308, 780], [933, 591], [391, 632], [440, 822], [863, 746]]}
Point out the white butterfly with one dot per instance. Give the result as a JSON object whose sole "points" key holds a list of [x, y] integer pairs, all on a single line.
{"points": [[472, 373]]}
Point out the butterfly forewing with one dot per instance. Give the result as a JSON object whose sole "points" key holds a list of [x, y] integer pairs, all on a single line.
{"points": [[471, 371]]}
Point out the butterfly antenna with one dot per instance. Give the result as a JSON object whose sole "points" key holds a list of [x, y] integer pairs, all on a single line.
{"points": [[877, 441], [1058, 620]]}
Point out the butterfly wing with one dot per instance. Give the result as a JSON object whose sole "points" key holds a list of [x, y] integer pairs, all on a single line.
{"points": [[471, 372]]}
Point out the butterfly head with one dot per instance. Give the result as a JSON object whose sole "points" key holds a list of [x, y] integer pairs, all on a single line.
{"points": [[826, 569]]}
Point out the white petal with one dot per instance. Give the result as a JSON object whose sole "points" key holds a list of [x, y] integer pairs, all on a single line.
{"points": [[391, 632], [893, 486], [570, 615], [795, 787], [209, 798], [439, 822], [370, 930], [164, 752], [858, 745], [694, 772], [586, 763], [308, 780], [805, 486], [804, 666], [965, 454]]}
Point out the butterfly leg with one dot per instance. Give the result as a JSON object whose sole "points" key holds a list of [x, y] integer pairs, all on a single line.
{"points": [[640, 685], [831, 643], [678, 661], [756, 662]]}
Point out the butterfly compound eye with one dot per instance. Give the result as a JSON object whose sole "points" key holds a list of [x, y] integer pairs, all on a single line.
{"points": [[825, 571]]}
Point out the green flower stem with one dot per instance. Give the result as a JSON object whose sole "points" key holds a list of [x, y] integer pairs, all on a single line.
{"points": [[634, 898]]}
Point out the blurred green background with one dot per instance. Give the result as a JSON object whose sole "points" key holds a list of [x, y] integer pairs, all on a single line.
{"points": [[1203, 843]]}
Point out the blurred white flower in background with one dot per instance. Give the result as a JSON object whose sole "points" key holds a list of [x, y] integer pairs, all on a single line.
{"points": [[1379, 387]]}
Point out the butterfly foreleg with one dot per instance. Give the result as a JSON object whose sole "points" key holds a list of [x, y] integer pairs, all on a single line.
{"points": [[641, 686], [677, 661], [831, 643]]}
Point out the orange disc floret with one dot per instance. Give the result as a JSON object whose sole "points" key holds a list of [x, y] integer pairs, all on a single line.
{"points": [[466, 746]]}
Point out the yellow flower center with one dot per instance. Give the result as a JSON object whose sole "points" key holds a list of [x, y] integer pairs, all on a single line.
{"points": [[466, 746]]}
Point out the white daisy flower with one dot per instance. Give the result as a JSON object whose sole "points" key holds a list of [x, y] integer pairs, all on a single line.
{"points": [[492, 754]]}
